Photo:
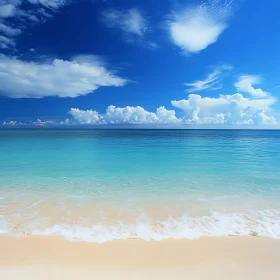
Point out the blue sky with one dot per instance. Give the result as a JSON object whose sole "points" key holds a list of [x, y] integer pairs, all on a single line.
{"points": [[175, 63]]}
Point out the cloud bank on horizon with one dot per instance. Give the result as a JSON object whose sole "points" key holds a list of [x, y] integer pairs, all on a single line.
{"points": [[191, 28], [228, 109]]}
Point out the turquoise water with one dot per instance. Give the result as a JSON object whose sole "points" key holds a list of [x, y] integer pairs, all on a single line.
{"points": [[99, 185]]}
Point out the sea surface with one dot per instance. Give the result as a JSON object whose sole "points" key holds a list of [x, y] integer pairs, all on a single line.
{"points": [[103, 185]]}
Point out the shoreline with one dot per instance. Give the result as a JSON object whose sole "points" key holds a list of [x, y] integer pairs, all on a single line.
{"points": [[213, 257]]}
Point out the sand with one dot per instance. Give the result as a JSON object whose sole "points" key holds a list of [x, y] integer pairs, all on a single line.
{"points": [[206, 258]]}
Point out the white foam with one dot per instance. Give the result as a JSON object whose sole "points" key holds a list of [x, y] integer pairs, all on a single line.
{"points": [[260, 223]]}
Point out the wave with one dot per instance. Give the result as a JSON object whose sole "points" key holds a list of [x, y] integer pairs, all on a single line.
{"points": [[261, 223]]}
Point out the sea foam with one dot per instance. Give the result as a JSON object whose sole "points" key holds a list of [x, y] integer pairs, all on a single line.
{"points": [[261, 223]]}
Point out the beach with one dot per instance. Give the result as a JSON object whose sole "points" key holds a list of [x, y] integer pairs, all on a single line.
{"points": [[139, 140], [206, 258], [85, 204]]}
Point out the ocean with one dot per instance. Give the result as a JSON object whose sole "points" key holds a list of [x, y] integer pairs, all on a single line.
{"points": [[103, 185]]}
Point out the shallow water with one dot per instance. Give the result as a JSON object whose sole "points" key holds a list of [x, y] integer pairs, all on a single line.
{"points": [[100, 185]]}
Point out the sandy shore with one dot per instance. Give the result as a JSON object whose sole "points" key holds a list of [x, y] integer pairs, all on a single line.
{"points": [[207, 258]]}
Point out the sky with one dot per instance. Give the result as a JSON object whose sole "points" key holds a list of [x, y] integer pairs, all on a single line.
{"points": [[141, 63]]}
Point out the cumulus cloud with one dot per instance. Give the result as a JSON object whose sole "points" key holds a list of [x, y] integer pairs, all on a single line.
{"points": [[226, 109], [11, 123], [212, 80], [193, 29], [125, 115], [85, 116], [17, 15], [232, 109], [38, 122], [245, 84], [63, 78]]}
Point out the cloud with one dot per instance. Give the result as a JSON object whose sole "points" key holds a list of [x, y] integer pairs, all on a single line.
{"points": [[193, 29], [226, 109], [126, 115], [6, 42], [230, 110], [212, 80], [129, 21], [85, 116], [38, 122], [6, 10], [245, 84], [11, 123], [52, 4], [17, 15], [9, 31], [63, 78]]}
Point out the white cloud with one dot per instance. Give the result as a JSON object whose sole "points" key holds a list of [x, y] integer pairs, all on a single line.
{"points": [[134, 27], [245, 84], [6, 42], [193, 29], [223, 110], [130, 21], [226, 109], [6, 10], [212, 80], [9, 31], [38, 122], [52, 4], [15, 16], [11, 123], [229, 110], [85, 116], [126, 115], [80, 76]]}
